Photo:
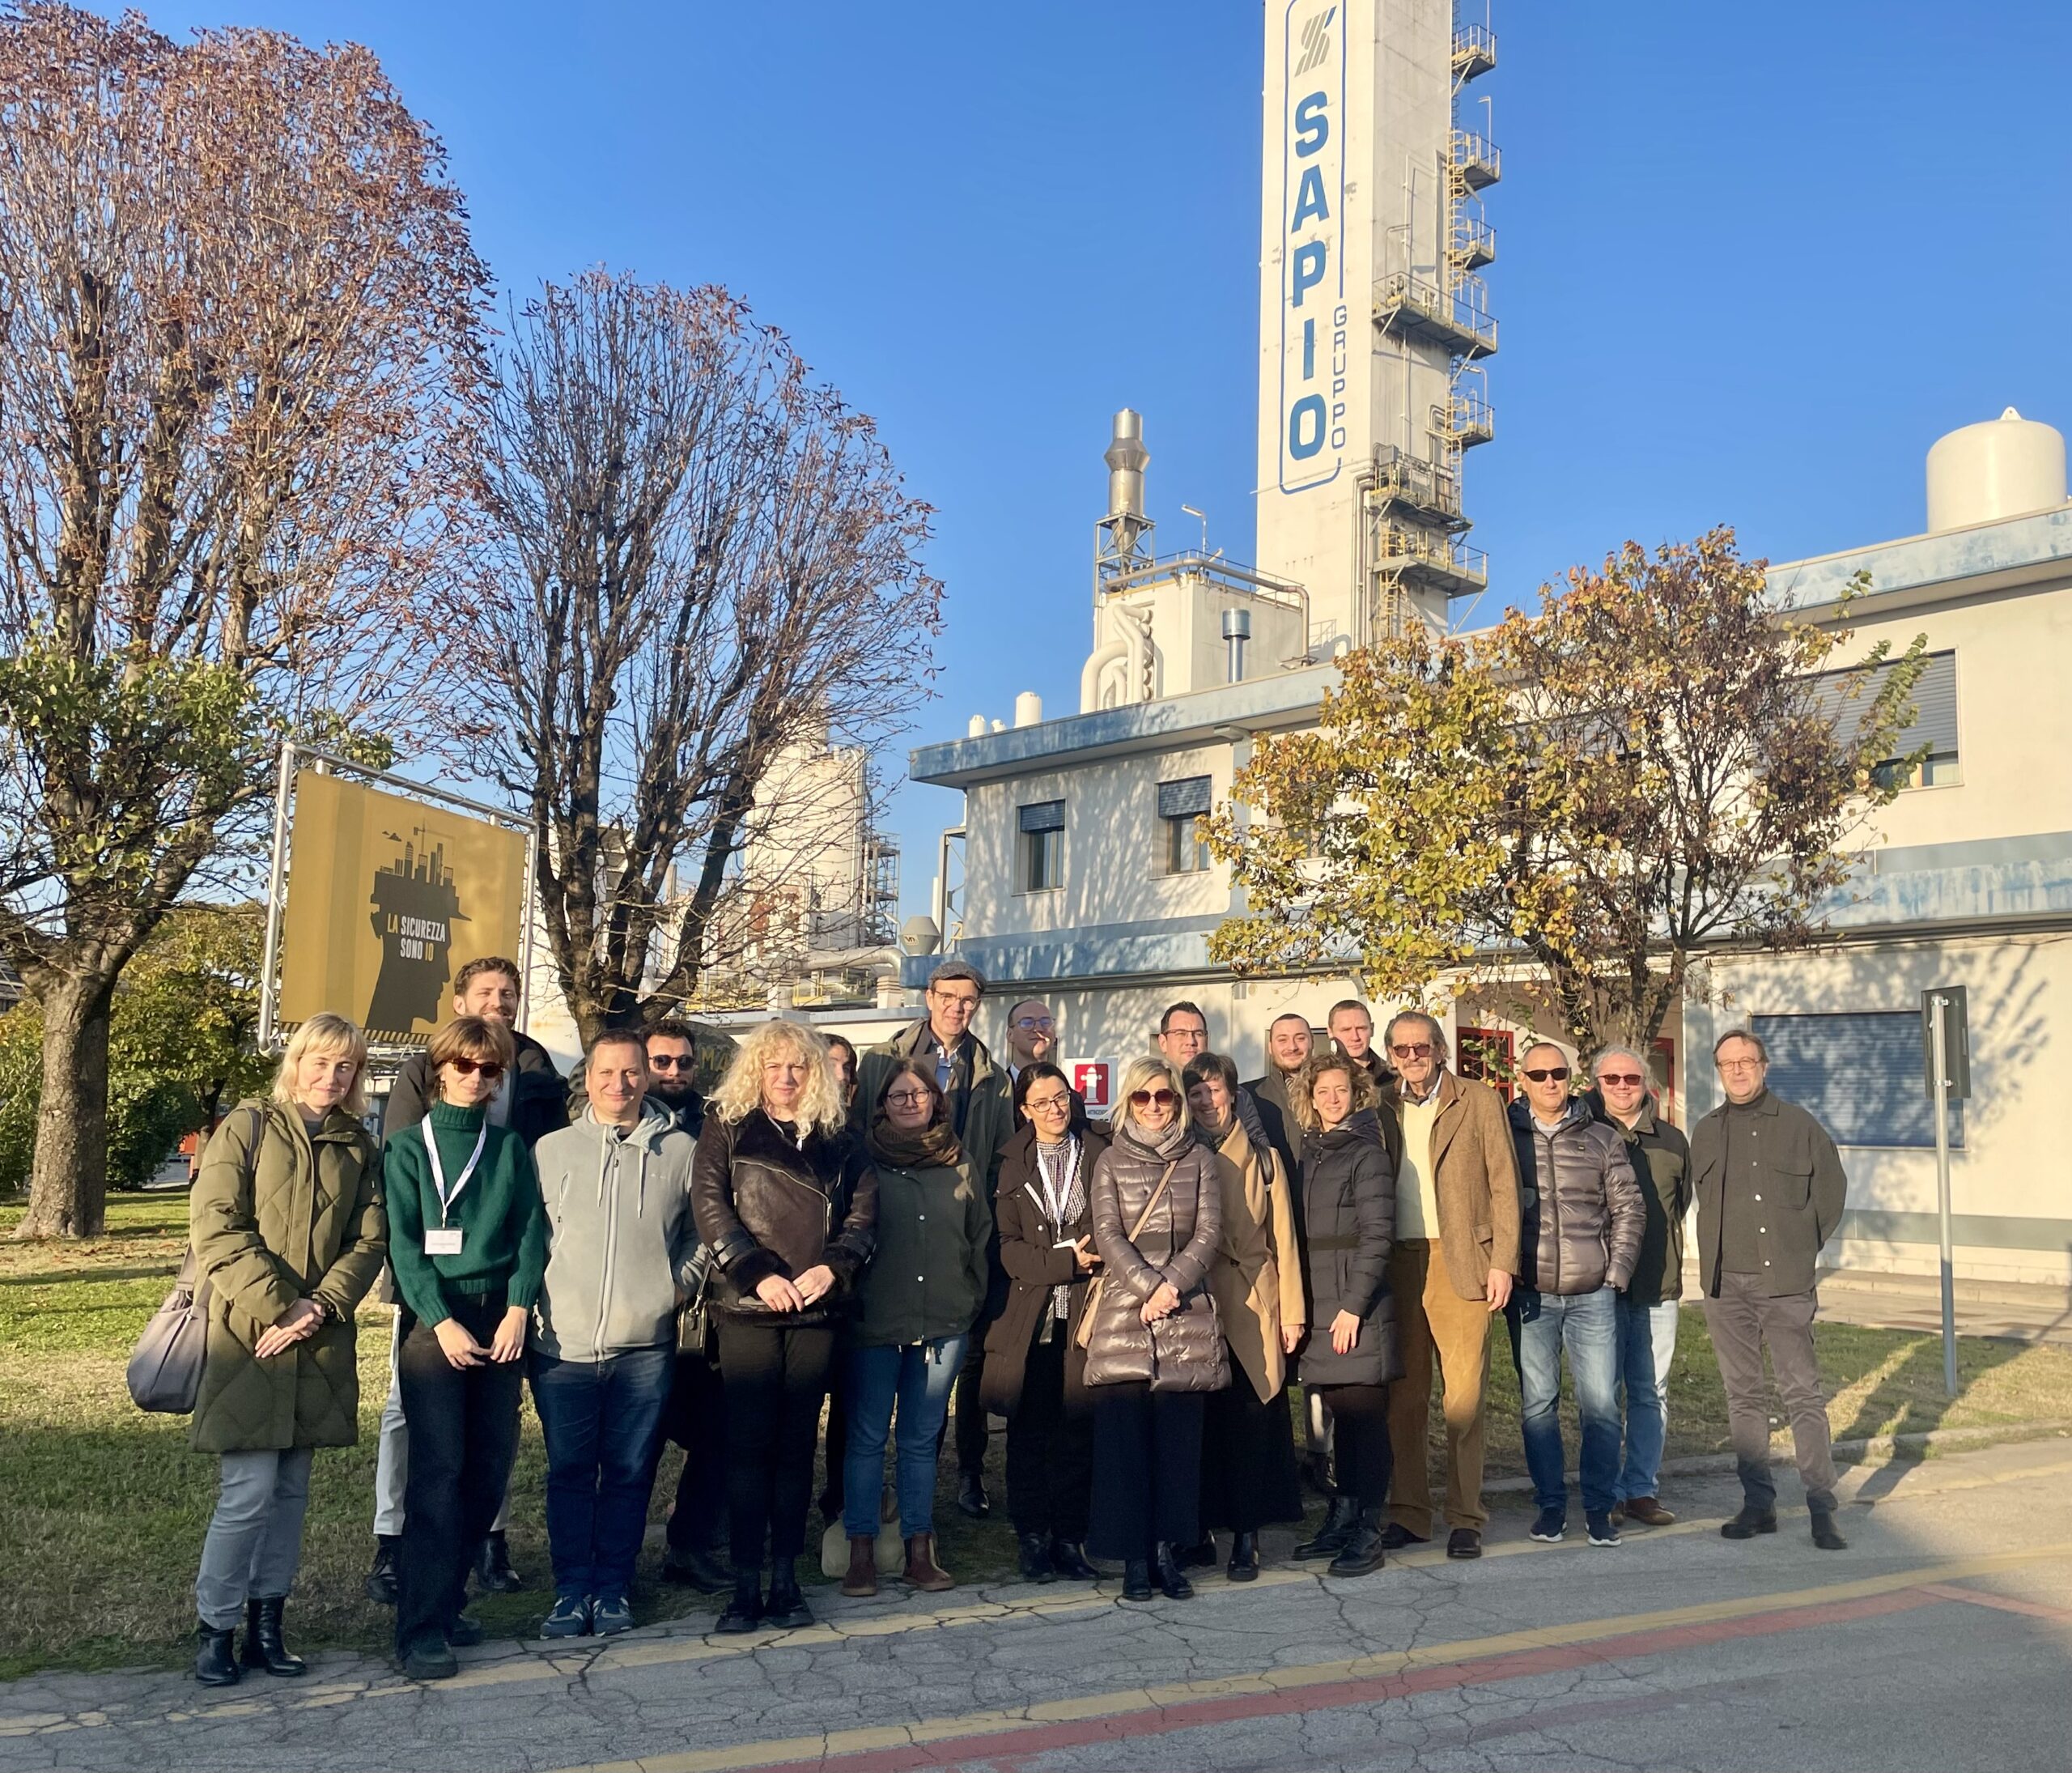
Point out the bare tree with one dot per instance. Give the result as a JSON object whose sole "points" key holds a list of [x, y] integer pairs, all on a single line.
{"points": [[699, 558], [237, 301]]}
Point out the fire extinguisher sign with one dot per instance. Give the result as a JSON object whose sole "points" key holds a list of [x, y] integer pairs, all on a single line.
{"points": [[1095, 1080]]}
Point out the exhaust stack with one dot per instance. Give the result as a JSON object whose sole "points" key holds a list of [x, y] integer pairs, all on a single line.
{"points": [[1237, 631]]}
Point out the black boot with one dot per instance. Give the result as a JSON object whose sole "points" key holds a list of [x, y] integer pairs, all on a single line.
{"points": [[744, 1613], [215, 1657], [1244, 1565], [1200, 1557], [263, 1647], [1068, 1559], [381, 1577], [1825, 1535], [1337, 1529], [1136, 1579], [698, 1567], [493, 1571], [1361, 1553], [1749, 1522], [1172, 1580], [786, 1608], [1036, 1558]]}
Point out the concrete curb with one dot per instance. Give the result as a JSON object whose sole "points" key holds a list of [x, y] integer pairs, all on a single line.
{"points": [[1878, 1450]]}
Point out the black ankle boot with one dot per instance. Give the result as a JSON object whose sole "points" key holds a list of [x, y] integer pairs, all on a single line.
{"points": [[1826, 1535], [215, 1655], [1244, 1565], [744, 1613], [786, 1608], [1337, 1529], [1136, 1579], [380, 1584], [263, 1645], [1361, 1553], [1172, 1580], [1036, 1558], [1068, 1559]]}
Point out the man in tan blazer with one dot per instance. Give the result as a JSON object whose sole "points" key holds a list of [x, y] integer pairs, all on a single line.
{"points": [[1456, 1251]]}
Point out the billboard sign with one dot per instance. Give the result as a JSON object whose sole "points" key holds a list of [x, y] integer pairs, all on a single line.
{"points": [[387, 898]]}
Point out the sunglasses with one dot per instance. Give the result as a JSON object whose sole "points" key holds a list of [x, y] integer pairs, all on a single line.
{"points": [[1422, 1050], [467, 1067], [1629, 1078], [669, 1061], [1549, 1074], [1144, 1098]]}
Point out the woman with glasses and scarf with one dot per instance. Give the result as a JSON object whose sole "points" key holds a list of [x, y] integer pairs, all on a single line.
{"points": [[468, 1241], [1154, 1347], [1035, 1369], [920, 1295]]}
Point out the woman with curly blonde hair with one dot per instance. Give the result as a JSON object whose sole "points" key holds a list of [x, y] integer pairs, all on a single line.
{"points": [[787, 1202]]}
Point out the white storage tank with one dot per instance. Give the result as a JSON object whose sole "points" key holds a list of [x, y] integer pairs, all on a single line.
{"points": [[2006, 467]]}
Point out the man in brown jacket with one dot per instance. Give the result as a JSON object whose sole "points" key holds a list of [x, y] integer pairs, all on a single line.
{"points": [[1456, 1251]]}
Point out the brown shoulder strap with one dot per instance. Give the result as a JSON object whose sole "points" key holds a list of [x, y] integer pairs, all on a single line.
{"points": [[1151, 1205]]}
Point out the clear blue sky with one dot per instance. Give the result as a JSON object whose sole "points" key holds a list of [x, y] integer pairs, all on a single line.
{"points": [[1754, 257]]}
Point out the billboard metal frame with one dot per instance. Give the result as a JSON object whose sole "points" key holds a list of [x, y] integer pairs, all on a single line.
{"points": [[326, 763]]}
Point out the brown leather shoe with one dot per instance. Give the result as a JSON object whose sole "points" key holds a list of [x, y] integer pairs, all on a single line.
{"points": [[1648, 1512], [862, 1577], [923, 1571]]}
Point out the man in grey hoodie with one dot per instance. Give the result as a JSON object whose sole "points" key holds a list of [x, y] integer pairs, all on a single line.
{"points": [[621, 1244]]}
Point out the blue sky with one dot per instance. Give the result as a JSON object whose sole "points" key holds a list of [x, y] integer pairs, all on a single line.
{"points": [[1754, 257]]}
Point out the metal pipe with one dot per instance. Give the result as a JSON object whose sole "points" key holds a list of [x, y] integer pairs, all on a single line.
{"points": [[1939, 1039], [1237, 631], [1126, 458], [276, 879]]}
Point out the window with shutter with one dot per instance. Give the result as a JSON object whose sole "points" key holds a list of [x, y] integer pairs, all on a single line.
{"points": [[1933, 725], [1042, 846], [1180, 807], [1859, 1073]]}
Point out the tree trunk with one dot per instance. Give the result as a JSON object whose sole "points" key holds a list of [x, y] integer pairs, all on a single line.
{"points": [[68, 1184]]}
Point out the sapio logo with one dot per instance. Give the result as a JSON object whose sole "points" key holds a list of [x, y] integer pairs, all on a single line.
{"points": [[1316, 40], [1314, 319]]}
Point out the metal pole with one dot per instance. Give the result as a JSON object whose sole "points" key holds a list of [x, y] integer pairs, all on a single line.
{"points": [[525, 928], [1938, 1009], [274, 882]]}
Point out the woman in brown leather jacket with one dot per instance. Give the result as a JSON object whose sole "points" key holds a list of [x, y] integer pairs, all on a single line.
{"points": [[1155, 1347], [787, 1202]]}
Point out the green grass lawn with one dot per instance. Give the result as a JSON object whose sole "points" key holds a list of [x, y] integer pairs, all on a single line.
{"points": [[105, 1506]]}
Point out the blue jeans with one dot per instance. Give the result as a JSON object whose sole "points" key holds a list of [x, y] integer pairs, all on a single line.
{"points": [[917, 1379], [1647, 1344], [1586, 1326], [602, 1422]]}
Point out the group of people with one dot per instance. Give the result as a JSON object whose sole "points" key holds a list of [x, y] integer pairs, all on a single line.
{"points": [[860, 1240]]}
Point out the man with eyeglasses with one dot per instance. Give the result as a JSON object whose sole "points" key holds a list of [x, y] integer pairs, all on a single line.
{"points": [[1456, 1250], [1579, 1239], [1770, 1189], [1183, 1037], [1648, 1308], [532, 1100], [1032, 1036], [981, 1110]]}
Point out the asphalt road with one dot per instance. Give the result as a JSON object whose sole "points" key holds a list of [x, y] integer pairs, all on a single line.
{"points": [[1943, 1638]]}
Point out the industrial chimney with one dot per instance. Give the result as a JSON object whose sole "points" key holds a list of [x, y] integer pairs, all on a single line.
{"points": [[1121, 540], [1237, 631]]}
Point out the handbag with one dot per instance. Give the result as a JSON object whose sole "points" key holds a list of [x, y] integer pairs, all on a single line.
{"points": [[1085, 1337], [165, 1371]]}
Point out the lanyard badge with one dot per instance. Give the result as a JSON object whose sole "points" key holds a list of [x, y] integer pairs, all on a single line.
{"points": [[442, 1240]]}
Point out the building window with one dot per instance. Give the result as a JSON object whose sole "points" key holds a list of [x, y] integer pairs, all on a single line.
{"points": [[1181, 805], [1861, 1075], [1934, 727], [1042, 846], [1485, 1055]]}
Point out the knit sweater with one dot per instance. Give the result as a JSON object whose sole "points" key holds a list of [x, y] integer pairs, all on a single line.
{"points": [[502, 1225]]}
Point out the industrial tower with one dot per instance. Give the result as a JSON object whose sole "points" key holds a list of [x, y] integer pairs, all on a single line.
{"points": [[1374, 318]]}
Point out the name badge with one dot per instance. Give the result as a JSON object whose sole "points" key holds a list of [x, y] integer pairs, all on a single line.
{"points": [[441, 1240]]}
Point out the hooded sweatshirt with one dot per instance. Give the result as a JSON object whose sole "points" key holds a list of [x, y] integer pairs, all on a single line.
{"points": [[621, 1241]]}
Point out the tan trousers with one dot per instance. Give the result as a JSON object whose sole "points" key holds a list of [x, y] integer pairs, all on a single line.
{"points": [[1431, 1321]]}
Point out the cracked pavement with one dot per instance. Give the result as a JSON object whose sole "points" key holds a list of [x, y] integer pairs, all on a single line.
{"points": [[1943, 1638]]}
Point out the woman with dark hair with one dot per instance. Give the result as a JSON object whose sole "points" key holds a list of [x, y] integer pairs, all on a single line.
{"points": [[787, 1202], [1348, 1196], [468, 1241], [842, 1056], [1154, 1347], [1248, 1459], [920, 1295], [1035, 1370]]}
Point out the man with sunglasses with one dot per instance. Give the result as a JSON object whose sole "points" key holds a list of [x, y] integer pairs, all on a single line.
{"points": [[1770, 1189], [532, 1100], [1032, 1036], [1648, 1308], [1579, 1239], [1456, 1250]]}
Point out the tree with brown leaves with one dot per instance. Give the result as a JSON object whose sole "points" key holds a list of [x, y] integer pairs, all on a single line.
{"points": [[238, 313]]}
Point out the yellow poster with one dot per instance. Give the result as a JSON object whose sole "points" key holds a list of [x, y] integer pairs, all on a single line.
{"points": [[388, 898]]}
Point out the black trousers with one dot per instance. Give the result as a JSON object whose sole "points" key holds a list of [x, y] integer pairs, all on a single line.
{"points": [[1360, 1436], [1049, 1450], [1248, 1478], [776, 1378], [698, 1422], [1146, 1470], [463, 1439], [971, 1434]]}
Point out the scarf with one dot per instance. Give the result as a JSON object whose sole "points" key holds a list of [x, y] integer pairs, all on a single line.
{"points": [[1161, 1145], [933, 1147], [1213, 1136], [1065, 1187]]}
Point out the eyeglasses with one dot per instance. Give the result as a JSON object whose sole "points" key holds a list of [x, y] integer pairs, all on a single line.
{"points": [[1629, 1078], [1144, 1098], [907, 1098], [1056, 1104], [1549, 1074], [1421, 1050], [669, 1061], [970, 1001], [1741, 1064], [1034, 1024], [467, 1067]]}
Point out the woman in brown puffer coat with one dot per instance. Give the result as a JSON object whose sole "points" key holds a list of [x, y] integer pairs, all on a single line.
{"points": [[1155, 1346]]}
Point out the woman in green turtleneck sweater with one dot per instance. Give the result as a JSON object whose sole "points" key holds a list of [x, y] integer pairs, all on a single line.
{"points": [[468, 1240]]}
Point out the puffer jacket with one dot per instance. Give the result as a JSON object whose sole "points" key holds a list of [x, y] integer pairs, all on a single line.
{"points": [[279, 1214], [1185, 1350], [1348, 1191], [1583, 1216], [768, 1203]]}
